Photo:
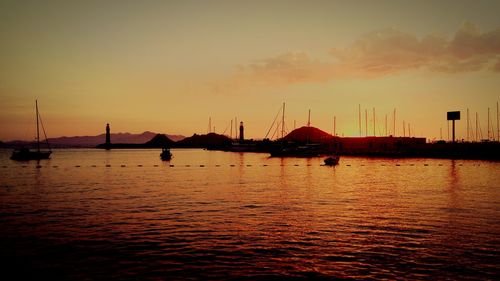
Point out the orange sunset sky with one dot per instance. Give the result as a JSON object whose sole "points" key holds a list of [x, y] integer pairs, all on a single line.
{"points": [[167, 66]]}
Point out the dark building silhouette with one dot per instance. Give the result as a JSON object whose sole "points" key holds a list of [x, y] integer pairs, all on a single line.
{"points": [[242, 137], [108, 137]]}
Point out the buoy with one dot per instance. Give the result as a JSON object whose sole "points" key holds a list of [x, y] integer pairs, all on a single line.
{"points": [[155, 165], [94, 166], [426, 164], [38, 166], [398, 165], [139, 165], [440, 164], [217, 165], [249, 165], [232, 165], [171, 165], [202, 165], [265, 165], [108, 165], [348, 165], [188, 165], [296, 165], [362, 164]]}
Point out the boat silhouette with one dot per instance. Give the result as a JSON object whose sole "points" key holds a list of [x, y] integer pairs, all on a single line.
{"points": [[25, 154]]}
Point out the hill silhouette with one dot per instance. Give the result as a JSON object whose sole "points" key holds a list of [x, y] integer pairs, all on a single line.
{"points": [[92, 141], [309, 134], [204, 141], [160, 140]]}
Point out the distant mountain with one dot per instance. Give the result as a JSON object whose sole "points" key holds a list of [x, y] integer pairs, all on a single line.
{"points": [[308, 134], [92, 141], [204, 141], [158, 141]]}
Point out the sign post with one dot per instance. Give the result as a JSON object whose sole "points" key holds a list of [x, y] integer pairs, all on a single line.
{"points": [[453, 115]]}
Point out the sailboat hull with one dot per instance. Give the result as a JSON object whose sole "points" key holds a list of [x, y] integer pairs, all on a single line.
{"points": [[23, 155]]}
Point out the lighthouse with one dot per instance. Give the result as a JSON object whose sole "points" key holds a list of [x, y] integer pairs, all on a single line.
{"points": [[242, 137], [108, 137]]}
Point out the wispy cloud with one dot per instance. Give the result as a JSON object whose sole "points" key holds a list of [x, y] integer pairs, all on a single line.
{"points": [[381, 52]]}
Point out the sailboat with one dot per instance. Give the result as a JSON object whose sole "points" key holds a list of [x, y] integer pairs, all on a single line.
{"points": [[24, 154]]}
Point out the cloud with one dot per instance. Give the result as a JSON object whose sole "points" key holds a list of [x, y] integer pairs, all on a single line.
{"points": [[382, 52]]}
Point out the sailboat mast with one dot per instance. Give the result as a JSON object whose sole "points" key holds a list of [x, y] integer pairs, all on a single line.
{"points": [[37, 130], [283, 123]]}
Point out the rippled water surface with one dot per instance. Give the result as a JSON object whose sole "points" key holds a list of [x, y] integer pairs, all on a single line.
{"points": [[124, 214]]}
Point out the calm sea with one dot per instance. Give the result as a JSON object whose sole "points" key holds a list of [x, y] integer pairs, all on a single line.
{"points": [[205, 215]]}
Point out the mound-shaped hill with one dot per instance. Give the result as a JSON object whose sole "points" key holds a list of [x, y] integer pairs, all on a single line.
{"points": [[160, 140], [309, 134], [204, 141]]}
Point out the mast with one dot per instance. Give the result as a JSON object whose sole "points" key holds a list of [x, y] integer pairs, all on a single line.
{"points": [[467, 124], [334, 125], [359, 118], [404, 129], [488, 123], [283, 123], [476, 128], [309, 119], [394, 120], [37, 130], [498, 131], [374, 134], [231, 133], [366, 122], [386, 124]]}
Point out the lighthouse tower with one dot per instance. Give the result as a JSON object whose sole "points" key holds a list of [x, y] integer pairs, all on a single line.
{"points": [[108, 137], [242, 137]]}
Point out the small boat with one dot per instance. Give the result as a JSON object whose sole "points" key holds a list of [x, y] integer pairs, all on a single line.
{"points": [[165, 154], [25, 154], [332, 160]]}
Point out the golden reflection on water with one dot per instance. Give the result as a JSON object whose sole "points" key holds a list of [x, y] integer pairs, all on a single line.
{"points": [[366, 218]]}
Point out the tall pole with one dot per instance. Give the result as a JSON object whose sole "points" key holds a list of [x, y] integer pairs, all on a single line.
{"points": [[37, 130], [448, 133], [404, 129], [366, 122], [386, 124], [498, 131], [334, 125], [440, 133], [394, 125], [374, 122], [309, 119], [453, 129], [476, 128], [283, 123], [488, 123], [236, 127], [467, 124], [359, 118], [294, 125], [409, 130]]}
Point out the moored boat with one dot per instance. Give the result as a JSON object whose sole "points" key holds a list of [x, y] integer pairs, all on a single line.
{"points": [[165, 154], [332, 160], [25, 154]]}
